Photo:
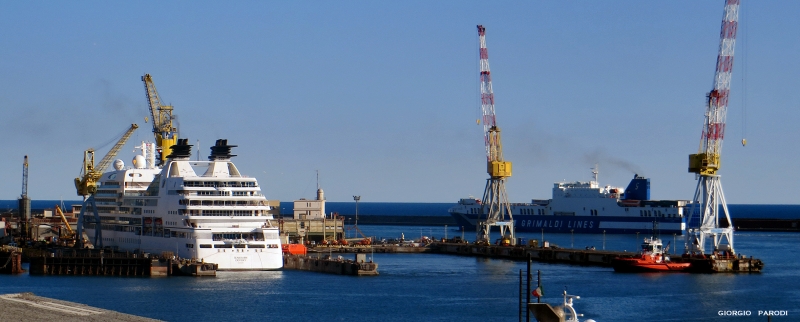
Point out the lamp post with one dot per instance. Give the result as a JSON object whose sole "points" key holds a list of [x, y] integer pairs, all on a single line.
{"points": [[356, 198], [674, 246], [572, 235]]}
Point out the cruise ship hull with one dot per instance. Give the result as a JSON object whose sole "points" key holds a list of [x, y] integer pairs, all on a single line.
{"points": [[243, 257]]}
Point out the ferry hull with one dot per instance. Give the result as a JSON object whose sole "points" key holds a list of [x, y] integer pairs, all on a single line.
{"points": [[583, 224]]}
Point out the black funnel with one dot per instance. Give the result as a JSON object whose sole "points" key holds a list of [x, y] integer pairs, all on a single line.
{"points": [[181, 150], [221, 150]]}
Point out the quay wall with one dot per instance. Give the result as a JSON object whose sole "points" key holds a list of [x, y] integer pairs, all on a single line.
{"points": [[330, 265], [706, 264]]}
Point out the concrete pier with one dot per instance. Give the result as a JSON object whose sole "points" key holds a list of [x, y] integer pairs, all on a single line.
{"points": [[29, 307], [707, 264], [331, 265], [97, 263], [106, 263], [10, 260], [369, 249], [540, 254]]}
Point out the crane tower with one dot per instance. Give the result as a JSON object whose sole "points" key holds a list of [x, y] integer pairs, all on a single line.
{"points": [[495, 200], [24, 201], [165, 133], [704, 217]]}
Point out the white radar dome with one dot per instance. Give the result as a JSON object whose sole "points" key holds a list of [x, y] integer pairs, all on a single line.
{"points": [[118, 164], [139, 162]]}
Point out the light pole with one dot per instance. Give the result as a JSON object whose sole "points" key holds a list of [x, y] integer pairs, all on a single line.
{"points": [[356, 198], [604, 240], [673, 243], [542, 244]]}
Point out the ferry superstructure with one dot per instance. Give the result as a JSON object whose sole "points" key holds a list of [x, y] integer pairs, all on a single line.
{"points": [[587, 207], [206, 210]]}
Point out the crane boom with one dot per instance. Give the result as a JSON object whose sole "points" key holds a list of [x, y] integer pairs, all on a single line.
{"points": [[64, 220], [704, 215], [707, 160], [87, 183], [165, 133], [495, 203], [496, 166]]}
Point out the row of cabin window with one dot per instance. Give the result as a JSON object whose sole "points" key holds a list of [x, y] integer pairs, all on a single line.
{"points": [[214, 184], [238, 246]]}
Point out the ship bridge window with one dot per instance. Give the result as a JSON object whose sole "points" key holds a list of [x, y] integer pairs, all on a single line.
{"points": [[205, 245], [223, 246], [255, 246], [235, 236]]}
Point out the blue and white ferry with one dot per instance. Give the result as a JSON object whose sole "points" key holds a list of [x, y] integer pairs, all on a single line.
{"points": [[588, 208]]}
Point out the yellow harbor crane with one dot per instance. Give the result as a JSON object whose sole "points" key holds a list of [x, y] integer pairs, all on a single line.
{"points": [[495, 205], [68, 238], [86, 184], [165, 133], [703, 222]]}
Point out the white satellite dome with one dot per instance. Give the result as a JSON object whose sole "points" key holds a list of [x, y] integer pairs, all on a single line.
{"points": [[119, 164], [139, 162]]}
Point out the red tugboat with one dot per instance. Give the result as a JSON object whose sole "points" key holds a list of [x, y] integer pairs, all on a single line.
{"points": [[653, 259]]}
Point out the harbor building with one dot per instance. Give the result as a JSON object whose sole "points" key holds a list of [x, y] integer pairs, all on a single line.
{"points": [[310, 223]]}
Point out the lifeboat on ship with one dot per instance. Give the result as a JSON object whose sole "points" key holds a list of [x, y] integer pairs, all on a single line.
{"points": [[653, 258]]}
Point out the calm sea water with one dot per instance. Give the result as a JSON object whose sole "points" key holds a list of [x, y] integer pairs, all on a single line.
{"points": [[429, 287]]}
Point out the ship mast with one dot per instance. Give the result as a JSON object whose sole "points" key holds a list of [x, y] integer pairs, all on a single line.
{"points": [[704, 218]]}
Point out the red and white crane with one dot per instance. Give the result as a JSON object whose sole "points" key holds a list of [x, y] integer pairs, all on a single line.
{"points": [[495, 204], [704, 217]]}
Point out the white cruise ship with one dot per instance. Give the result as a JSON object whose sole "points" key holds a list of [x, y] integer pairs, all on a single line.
{"points": [[195, 209]]}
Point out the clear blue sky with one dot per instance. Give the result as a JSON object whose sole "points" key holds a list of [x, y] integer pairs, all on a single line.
{"points": [[382, 96]]}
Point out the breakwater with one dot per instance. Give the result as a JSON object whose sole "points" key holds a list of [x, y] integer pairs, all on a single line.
{"points": [[410, 220]]}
